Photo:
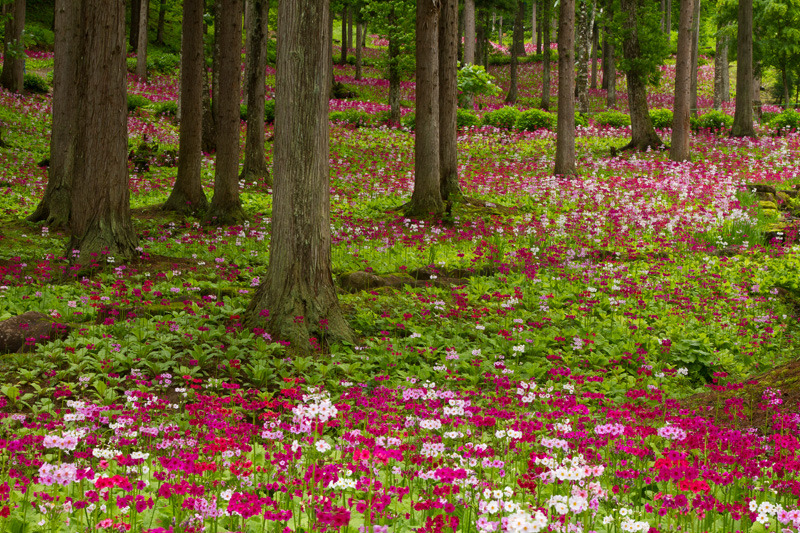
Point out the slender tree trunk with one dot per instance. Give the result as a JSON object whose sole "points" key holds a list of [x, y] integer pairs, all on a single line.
{"points": [[720, 69], [141, 48], [248, 47], [500, 32], [54, 208], [695, 56], [785, 79], [584, 37], [344, 50], [611, 75], [565, 136], [297, 299], [726, 75], [13, 74], [215, 67], [209, 121], [460, 36], [643, 135], [350, 27], [448, 101], [187, 195], [100, 217], [485, 46], [681, 130], [534, 6], [517, 40], [743, 114], [595, 48], [133, 38], [426, 200], [162, 11], [255, 157], [604, 61], [480, 41], [359, 49], [757, 92], [226, 208], [469, 32], [541, 29], [668, 22], [394, 81], [544, 103]]}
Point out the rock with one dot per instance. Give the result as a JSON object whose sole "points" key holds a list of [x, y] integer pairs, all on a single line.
{"points": [[16, 332], [760, 188], [767, 205], [364, 281]]}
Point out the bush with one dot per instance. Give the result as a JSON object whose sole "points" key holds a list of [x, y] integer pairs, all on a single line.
{"points": [[35, 84], [534, 119], [767, 116], [467, 119], [135, 101], [130, 64], [168, 108], [37, 37], [528, 101], [581, 120], [614, 119], [787, 121], [355, 117], [503, 118], [269, 111], [164, 63], [408, 120], [662, 118], [713, 120]]}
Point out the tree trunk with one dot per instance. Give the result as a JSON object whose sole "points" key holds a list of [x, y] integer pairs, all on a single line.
{"points": [[743, 114], [595, 49], [426, 200], [611, 82], [517, 40], [469, 32], [187, 195], [695, 56], [584, 37], [359, 49], [350, 27], [54, 208], [565, 136], [604, 61], [226, 208], [255, 157], [141, 48], [485, 46], [13, 74], [459, 40], [448, 101], [297, 299], [100, 217], [681, 129], [217, 5], [162, 11], [394, 81], [248, 47], [668, 22], [209, 122], [643, 135], [757, 92], [544, 103], [480, 41], [541, 29], [720, 69], [534, 5], [133, 38], [344, 50]]}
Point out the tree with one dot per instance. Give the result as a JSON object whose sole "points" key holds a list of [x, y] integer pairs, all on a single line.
{"points": [[721, 75], [162, 11], [359, 45], [448, 100], [344, 41], [777, 24], [565, 137], [426, 200], [187, 195], [226, 208], [544, 102], [679, 151], [297, 300], [12, 77], [517, 41], [743, 113], [255, 158], [694, 57], [585, 24], [55, 206], [595, 49], [133, 39], [100, 217], [141, 48]]}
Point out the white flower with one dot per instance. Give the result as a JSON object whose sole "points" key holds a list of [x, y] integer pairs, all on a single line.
{"points": [[322, 446]]}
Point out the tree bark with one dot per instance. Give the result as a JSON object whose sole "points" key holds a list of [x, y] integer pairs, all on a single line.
{"points": [[679, 151], [12, 77], [215, 68], [517, 40], [584, 37], [668, 22], [344, 50], [469, 32], [350, 27], [720, 70], [54, 208], [255, 157], [544, 102], [162, 11], [297, 299], [359, 49], [226, 208], [534, 6], [426, 200], [743, 113], [448, 101], [695, 56], [643, 135], [595, 47], [611, 82], [141, 48], [100, 217], [187, 195], [565, 135], [133, 38]]}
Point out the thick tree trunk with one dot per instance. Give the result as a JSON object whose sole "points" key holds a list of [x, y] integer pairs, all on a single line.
{"points": [[469, 32], [162, 11], [209, 121], [359, 49], [448, 101], [695, 56], [100, 217], [344, 50], [13, 74], [426, 200], [187, 195], [544, 103], [215, 67], [517, 40], [54, 208], [565, 136], [679, 151], [255, 157], [643, 135], [584, 37], [141, 48], [611, 82], [720, 70], [297, 299], [595, 50], [743, 114], [394, 81], [226, 208], [133, 38]]}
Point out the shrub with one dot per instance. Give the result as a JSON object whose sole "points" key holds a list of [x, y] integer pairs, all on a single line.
{"points": [[37, 37], [35, 84], [408, 120], [135, 101], [164, 63], [130, 64], [467, 119], [767, 116], [614, 119], [534, 119], [168, 108], [355, 117], [529, 101], [788, 120], [474, 80], [662, 118], [713, 120], [269, 111], [581, 120], [504, 118]]}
